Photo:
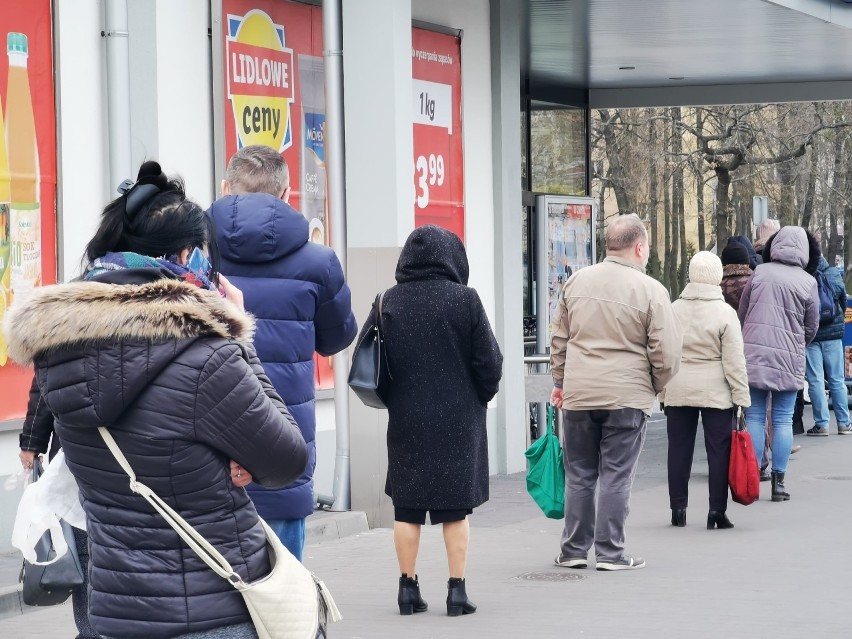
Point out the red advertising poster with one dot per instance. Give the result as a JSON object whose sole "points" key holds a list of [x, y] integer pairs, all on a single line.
{"points": [[27, 173], [275, 95], [438, 149]]}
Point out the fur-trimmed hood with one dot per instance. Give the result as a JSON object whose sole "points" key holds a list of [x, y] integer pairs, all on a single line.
{"points": [[113, 340], [62, 315]]}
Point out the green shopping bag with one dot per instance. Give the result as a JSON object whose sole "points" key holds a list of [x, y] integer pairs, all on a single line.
{"points": [[546, 474]]}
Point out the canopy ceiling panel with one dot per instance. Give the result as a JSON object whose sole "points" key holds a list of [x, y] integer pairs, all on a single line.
{"points": [[683, 43]]}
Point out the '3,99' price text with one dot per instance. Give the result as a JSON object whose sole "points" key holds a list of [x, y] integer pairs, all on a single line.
{"points": [[427, 172]]}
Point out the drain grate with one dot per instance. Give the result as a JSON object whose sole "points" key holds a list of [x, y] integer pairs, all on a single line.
{"points": [[837, 477], [550, 576]]}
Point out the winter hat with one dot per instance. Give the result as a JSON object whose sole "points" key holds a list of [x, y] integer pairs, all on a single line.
{"points": [[705, 268], [734, 253]]}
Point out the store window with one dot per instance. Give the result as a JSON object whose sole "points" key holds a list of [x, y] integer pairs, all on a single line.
{"points": [[557, 141]]}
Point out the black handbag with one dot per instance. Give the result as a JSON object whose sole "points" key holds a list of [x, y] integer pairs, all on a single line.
{"points": [[52, 584], [369, 375]]}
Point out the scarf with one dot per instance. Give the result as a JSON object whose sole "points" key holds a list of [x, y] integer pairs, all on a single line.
{"points": [[126, 260]]}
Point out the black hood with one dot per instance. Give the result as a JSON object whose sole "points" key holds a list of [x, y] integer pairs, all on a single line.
{"points": [[432, 253]]}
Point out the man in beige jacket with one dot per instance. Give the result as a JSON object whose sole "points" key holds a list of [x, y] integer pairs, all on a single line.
{"points": [[615, 345]]}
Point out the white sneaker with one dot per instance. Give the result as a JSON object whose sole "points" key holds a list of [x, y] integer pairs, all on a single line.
{"points": [[567, 562], [625, 563]]}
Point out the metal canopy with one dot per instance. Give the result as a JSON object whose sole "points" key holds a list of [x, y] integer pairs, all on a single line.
{"points": [[689, 51]]}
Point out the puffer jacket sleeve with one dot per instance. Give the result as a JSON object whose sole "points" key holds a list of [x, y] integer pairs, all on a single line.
{"points": [[487, 360], [665, 339], [733, 360], [812, 312], [241, 415], [334, 322], [839, 288], [250, 355], [38, 424]]}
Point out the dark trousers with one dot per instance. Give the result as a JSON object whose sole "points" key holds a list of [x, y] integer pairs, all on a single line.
{"points": [[682, 426], [600, 447]]}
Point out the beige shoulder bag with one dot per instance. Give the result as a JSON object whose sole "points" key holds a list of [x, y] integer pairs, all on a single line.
{"points": [[290, 602]]}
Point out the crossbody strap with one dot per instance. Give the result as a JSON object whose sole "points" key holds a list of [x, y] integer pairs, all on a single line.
{"points": [[206, 552]]}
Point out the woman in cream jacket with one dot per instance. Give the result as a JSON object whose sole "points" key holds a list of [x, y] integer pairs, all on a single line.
{"points": [[712, 382]]}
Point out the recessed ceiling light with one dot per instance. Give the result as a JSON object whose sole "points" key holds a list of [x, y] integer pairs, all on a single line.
{"points": [[680, 77], [626, 68]]}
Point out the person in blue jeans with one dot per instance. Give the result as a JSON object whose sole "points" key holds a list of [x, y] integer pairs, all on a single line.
{"points": [[296, 291], [779, 311], [825, 363]]}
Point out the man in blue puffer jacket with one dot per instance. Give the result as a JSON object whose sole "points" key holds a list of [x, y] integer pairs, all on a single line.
{"points": [[296, 291], [825, 363]]}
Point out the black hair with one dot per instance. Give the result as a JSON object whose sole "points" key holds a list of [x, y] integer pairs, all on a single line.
{"points": [[154, 218]]}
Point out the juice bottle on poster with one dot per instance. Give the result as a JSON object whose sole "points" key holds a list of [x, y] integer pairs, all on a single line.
{"points": [[25, 222], [5, 246]]}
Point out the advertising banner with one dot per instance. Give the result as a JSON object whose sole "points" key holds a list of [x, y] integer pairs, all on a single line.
{"points": [[275, 95], [27, 173], [438, 147], [569, 229]]}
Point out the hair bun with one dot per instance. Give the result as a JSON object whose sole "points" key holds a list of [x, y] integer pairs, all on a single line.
{"points": [[152, 173]]}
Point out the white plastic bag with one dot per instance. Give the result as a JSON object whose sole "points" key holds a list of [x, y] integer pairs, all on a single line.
{"points": [[53, 497], [19, 480]]}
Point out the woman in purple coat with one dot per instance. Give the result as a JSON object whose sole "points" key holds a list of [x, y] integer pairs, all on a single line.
{"points": [[779, 310]]}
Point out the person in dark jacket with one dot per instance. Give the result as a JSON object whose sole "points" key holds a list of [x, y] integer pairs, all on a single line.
{"points": [[147, 347], [825, 363], [736, 272], [296, 292], [779, 311], [446, 366], [742, 240], [37, 438]]}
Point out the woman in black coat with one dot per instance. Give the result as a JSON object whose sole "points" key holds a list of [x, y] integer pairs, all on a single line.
{"points": [[146, 346], [446, 366]]}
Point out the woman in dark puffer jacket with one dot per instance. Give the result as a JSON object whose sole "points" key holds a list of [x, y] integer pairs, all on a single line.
{"points": [[148, 347]]}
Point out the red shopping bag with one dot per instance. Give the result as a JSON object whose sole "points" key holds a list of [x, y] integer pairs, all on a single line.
{"points": [[743, 472]]}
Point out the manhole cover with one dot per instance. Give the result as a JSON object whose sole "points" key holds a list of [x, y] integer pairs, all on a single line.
{"points": [[550, 576], [838, 478]]}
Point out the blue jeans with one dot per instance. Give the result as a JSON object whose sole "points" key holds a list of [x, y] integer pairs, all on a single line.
{"points": [[825, 364], [291, 532], [783, 404]]}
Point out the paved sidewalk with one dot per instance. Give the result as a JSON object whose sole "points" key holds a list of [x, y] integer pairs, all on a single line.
{"points": [[781, 573]]}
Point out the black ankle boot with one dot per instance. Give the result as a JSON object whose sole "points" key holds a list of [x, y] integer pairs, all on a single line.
{"points": [[409, 598], [457, 601], [778, 491], [679, 517], [718, 519]]}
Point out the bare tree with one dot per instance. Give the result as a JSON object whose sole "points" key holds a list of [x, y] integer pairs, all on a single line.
{"points": [[740, 140]]}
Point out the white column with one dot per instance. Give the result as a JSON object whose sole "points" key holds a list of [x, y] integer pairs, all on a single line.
{"points": [[171, 110], [83, 156], [512, 418], [379, 200], [379, 135]]}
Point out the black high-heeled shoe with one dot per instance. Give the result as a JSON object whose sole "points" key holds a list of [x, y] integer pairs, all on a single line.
{"points": [[409, 598], [457, 601], [679, 517], [718, 519]]}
